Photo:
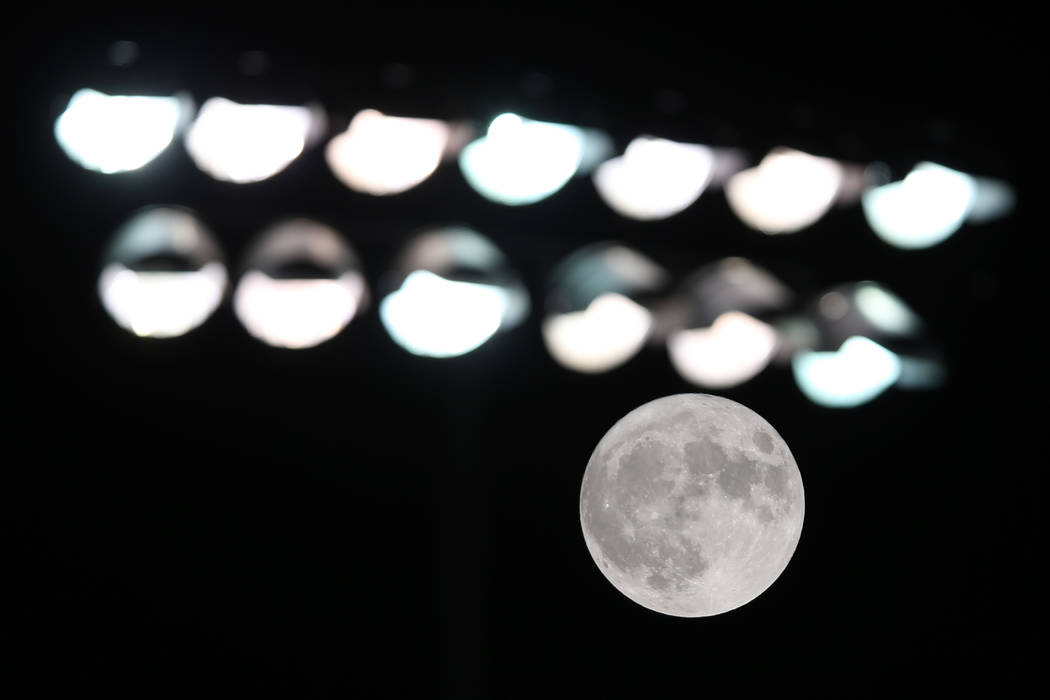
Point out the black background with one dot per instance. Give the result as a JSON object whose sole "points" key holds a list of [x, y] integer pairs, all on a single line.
{"points": [[208, 514]]}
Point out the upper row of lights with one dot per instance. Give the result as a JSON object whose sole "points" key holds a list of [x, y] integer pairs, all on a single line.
{"points": [[521, 161]]}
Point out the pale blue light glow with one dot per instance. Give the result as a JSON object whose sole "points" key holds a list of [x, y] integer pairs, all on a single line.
{"points": [[858, 372], [995, 199], [521, 161], [920, 373], [435, 317], [923, 209], [597, 148], [116, 133]]}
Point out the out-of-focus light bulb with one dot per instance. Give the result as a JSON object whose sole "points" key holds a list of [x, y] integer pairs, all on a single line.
{"points": [[788, 191], [655, 178], [610, 331], [794, 334], [117, 133], [856, 373], [521, 161], [282, 304], [632, 268], [164, 275], [505, 128], [161, 304], [436, 317], [885, 311], [726, 285], [247, 143], [296, 313], [923, 209], [382, 155], [733, 350]]}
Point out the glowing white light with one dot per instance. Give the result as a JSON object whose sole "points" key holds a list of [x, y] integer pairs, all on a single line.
{"points": [[383, 155], [115, 133], [296, 313], [788, 191], [923, 209], [605, 335], [161, 304], [858, 372], [432, 316], [733, 350], [885, 311], [655, 178], [521, 161], [247, 143]]}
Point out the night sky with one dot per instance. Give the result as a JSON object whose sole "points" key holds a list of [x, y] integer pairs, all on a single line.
{"points": [[211, 515]]}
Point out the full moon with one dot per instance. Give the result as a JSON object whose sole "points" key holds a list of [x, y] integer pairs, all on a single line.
{"points": [[692, 505]]}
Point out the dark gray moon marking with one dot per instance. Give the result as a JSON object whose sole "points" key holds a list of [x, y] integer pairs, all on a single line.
{"points": [[692, 505]]}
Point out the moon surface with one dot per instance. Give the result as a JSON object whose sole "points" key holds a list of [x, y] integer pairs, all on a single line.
{"points": [[692, 505]]}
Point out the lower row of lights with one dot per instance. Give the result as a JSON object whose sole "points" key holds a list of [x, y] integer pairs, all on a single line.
{"points": [[451, 289]]}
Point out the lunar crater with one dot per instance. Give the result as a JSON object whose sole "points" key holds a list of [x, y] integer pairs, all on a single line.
{"points": [[763, 441]]}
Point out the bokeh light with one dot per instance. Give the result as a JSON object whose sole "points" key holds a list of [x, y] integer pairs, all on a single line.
{"points": [[867, 309], [382, 155], [880, 342], [715, 338], [521, 161], [122, 53], [788, 191], [594, 320], [856, 373], [734, 349], [430, 315], [654, 178], [597, 148], [456, 291], [118, 133], [995, 199], [163, 274], [727, 163], [921, 373], [732, 284], [923, 209], [279, 304], [248, 143], [885, 310], [610, 331]]}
